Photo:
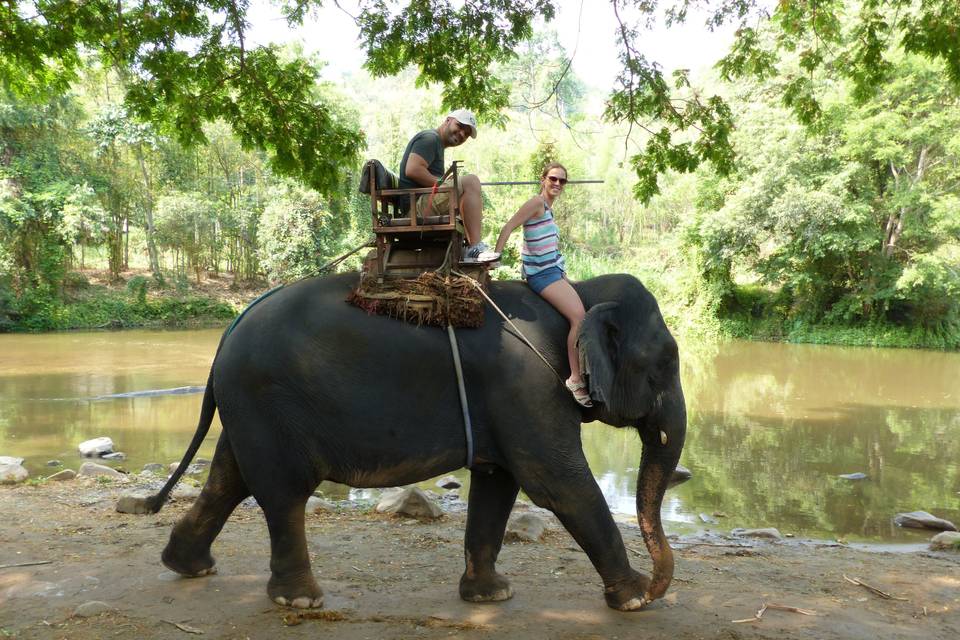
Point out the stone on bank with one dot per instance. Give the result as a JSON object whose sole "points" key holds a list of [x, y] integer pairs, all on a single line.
{"points": [[12, 473], [96, 447]]}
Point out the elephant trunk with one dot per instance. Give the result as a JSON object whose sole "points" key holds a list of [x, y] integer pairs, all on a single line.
{"points": [[663, 438], [651, 484]]}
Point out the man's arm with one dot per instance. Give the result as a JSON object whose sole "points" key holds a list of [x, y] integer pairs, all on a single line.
{"points": [[417, 171]]}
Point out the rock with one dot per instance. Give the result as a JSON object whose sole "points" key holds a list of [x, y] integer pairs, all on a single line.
{"points": [[118, 455], [680, 475], [769, 533], [54, 463], [449, 482], [946, 541], [12, 473], [192, 470], [133, 503], [527, 527], [153, 467], [707, 519], [94, 470], [315, 504], [96, 447], [185, 492], [65, 474], [92, 608], [411, 502], [11, 460], [853, 476], [923, 520]]}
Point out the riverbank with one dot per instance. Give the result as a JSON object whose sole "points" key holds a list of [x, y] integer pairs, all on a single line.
{"points": [[388, 577], [91, 300]]}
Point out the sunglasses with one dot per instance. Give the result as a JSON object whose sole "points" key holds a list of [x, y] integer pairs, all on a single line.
{"points": [[556, 180]]}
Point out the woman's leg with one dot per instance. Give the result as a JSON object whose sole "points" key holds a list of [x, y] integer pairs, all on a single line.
{"points": [[565, 299]]}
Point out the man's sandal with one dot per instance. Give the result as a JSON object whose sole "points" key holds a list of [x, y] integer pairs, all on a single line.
{"points": [[580, 393]]}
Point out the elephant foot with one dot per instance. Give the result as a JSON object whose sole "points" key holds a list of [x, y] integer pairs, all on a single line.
{"points": [[629, 594], [189, 566], [492, 588], [303, 593]]}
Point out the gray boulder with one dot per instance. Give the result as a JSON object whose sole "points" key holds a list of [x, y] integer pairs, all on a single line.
{"points": [[94, 470], [116, 455], [527, 527], [192, 470], [316, 504], [10, 460], [946, 541], [153, 467], [185, 492], [769, 533], [133, 503], [54, 463], [411, 502], [65, 474], [96, 447], [923, 520], [12, 473]]}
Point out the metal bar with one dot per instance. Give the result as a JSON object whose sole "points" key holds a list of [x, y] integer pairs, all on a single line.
{"points": [[508, 183]]}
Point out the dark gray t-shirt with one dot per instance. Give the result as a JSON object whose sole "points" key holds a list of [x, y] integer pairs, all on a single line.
{"points": [[427, 145]]}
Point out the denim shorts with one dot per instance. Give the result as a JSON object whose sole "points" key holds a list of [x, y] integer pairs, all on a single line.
{"points": [[543, 279]]}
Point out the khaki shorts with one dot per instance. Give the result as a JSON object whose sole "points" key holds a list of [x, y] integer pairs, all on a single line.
{"points": [[441, 200]]}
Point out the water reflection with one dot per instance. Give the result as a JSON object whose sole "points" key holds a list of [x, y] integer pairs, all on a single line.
{"points": [[770, 426]]}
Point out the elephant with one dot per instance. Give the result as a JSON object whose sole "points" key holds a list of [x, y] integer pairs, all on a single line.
{"points": [[310, 388]]}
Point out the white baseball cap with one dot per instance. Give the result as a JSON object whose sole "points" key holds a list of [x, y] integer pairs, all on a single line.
{"points": [[465, 117]]}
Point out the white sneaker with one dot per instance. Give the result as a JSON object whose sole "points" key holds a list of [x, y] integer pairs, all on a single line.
{"points": [[488, 256], [471, 253]]}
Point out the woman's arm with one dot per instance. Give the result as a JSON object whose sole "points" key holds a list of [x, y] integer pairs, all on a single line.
{"points": [[530, 208]]}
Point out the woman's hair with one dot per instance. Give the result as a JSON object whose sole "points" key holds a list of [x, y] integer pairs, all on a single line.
{"points": [[553, 165]]}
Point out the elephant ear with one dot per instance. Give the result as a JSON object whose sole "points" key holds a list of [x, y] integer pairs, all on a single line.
{"points": [[598, 346]]}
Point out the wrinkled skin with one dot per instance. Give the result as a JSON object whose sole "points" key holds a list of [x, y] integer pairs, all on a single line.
{"points": [[310, 388]]}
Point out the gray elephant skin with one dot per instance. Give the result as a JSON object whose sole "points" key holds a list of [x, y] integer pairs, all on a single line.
{"points": [[310, 388]]}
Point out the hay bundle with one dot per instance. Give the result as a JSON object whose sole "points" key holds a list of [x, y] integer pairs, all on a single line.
{"points": [[431, 298]]}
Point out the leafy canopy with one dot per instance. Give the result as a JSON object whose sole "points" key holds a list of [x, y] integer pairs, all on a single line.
{"points": [[188, 63]]}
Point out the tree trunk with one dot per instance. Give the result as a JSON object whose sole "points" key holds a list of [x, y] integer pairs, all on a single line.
{"points": [[148, 214]]}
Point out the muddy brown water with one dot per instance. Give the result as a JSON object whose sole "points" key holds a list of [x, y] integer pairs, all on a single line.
{"points": [[771, 427]]}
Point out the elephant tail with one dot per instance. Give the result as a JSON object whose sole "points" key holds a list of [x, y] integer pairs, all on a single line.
{"points": [[152, 504]]}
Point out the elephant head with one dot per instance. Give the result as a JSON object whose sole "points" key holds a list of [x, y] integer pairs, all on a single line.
{"points": [[632, 365]]}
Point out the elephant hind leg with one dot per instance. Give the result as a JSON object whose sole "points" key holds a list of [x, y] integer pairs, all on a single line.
{"points": [[188, 551], [291, 579], [492, 496]]}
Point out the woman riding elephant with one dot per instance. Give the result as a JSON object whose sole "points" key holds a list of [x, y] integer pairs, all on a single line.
{"points": [[543, 267]]}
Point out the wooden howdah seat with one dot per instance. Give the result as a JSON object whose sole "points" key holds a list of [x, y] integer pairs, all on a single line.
{"points": [[408, 244]]}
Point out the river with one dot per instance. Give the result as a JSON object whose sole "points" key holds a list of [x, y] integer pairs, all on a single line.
{"points": [[771, 427]]}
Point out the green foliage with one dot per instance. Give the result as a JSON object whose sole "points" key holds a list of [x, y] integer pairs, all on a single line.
{"points": [[452, 45], [270, 101], [137, 287]]}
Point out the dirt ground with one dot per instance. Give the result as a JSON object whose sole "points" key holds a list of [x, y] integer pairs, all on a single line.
{"points": [[387, 577]]}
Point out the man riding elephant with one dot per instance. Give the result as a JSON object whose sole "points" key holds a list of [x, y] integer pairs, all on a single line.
{"points": [[423, 166]]}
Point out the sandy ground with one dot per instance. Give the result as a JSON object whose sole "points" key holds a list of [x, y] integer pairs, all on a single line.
{"points": [[388, 577]]}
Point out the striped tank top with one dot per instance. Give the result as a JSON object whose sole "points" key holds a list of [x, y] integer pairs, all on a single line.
{"points": [[541, 244]]}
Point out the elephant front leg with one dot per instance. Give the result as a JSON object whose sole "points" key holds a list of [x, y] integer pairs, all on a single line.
{"points": [[492, 496], [578, 503]]}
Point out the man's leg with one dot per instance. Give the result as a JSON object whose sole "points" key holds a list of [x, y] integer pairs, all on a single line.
{"points": [[471, 208]]}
